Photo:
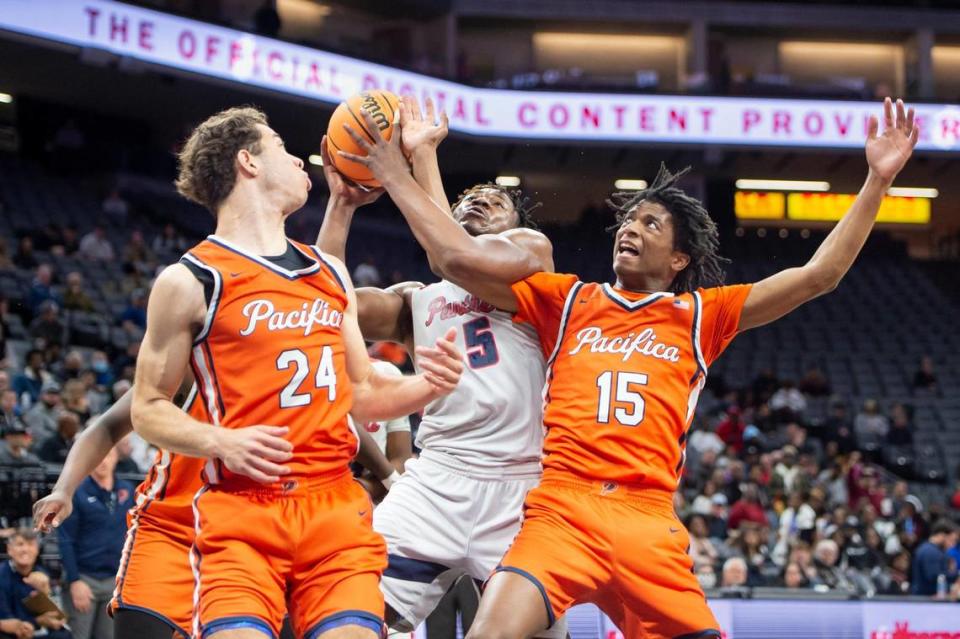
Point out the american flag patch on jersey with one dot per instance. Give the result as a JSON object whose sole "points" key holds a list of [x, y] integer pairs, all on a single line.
{"points": [[682, 304]]}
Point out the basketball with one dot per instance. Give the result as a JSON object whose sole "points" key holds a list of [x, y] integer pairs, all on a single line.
{"points": [[381, 105]]}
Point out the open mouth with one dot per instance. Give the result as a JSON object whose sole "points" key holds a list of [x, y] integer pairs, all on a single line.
{"points": [[624, 248], [472, 213]]}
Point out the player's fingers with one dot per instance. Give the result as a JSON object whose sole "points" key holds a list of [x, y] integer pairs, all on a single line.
{"points": [[325, 154], [444, 120], [887, 113], [901, 115], [415, 113], [371, 126], [438, 382], [872, 126], [274, 436], [361, 141], [263, 471], [911, 120], [397, 130], [359, 159], [431, 112], [448, 375], [914, 136], [404, 111], [268, 452]]}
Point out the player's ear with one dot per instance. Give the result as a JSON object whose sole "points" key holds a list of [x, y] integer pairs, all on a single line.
{"points": [[679, 261], [247, 162]]}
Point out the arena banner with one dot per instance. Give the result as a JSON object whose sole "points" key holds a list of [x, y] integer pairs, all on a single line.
{"points": [[205, 49], [219, 52]]}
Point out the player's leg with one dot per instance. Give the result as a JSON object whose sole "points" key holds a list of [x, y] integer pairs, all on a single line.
{"points": [[425, 521], [462, 600], [241, 558], [513, 606]]}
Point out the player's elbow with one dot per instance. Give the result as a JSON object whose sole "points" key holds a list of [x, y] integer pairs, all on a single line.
{"points": [[455, 264]]}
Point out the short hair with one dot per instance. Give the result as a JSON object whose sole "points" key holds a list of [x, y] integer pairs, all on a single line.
{"points": [[523, 205], [24, 533], [944, 526], [207, 169], [695, 232]]}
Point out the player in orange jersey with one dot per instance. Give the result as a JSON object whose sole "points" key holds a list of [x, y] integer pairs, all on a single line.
{"points": [[269, 329], [626, 365]]}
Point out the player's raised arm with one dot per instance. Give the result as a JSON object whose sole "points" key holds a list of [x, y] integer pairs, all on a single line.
{"points": [[485, 265], [887, 153], [175, 313], [422, 134], [378, 397]]}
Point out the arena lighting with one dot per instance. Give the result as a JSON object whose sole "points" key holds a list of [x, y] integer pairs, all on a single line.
{"points": [[911, 191], [630, 185], [315, 159], [782, 185], [5, 98], [508, 180]]}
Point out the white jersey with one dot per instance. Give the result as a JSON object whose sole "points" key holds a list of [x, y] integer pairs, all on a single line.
{"points": [[494, 417], [379, 430]]}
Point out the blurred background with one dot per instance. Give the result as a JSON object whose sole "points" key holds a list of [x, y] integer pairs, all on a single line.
{"points": [[827, 446]]}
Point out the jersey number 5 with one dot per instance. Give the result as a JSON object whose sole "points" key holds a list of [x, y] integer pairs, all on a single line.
{"points": [[624, 382], [326, 376], [481, 346]]}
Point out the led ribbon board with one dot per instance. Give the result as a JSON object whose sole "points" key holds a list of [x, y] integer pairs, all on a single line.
{"points": [[209, 50]]}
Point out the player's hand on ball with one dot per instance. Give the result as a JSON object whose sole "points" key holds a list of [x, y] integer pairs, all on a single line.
{"points": [[890, 150], [257, 452], [418, 130], [384, 159], [51, 511], [441, 364], [347, 192]]}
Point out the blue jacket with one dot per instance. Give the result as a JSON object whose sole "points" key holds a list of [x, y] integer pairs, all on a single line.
{"points": [[12, 593], [91, 539], [929, 562]]}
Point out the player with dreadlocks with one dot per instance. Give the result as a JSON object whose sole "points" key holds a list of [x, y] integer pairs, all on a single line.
{"points": [[626, 365], [458, 506]]}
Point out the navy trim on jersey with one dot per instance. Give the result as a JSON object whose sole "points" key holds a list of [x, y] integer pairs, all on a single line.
{"points": [[710, 633], [695, 337], [536, 582], [257, 259], [564, 320], [216, 382], [629, 305], [330, 267], [214, 302], [418, 570]]}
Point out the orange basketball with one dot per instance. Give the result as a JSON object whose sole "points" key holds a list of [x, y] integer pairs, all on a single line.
{"points": [[382, 106]]}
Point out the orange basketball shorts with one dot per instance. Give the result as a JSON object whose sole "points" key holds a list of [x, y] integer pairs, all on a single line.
{"points": [[155, 575], [307, 549], [619, 548]]}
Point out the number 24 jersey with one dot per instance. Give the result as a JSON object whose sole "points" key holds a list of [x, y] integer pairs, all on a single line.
{"points": [[624, 372]]}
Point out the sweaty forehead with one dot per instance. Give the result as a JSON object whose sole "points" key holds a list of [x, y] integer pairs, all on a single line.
{"points": [[488, 193], [647, 207]]}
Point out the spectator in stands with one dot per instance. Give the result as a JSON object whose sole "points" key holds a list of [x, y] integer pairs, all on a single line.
{"points": [[901, 428], [786, 471], [24, 257], [137, 254], [4, 381], [91, 541], [20, 577], [15, 450], [717, 521], [930, 559], [797, 521], [124, 365], [898, 497], [825, 557], [41, 419], [46, 238], [870, 426], [47, 327], [5, 261], [911, 525], [797, 436], [764, 386], [925, 378], [702, 549], [895, 578], [794, 578], [838, 428], [788, 403], [75, 399], [748, 509], [96, 246], [9, 410], [802, 556], [169, 241], [133, 320], [734, 573], [115, 207], [55, 448], [74, 297], [125, 451], [730, 430], [366, 273], [748, 543], [100, 365], [41, 289], [71, 240], [28, 383], [814, 383], [71, 367]]}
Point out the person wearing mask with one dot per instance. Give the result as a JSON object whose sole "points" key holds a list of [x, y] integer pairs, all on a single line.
{"points": [[930, 560], [91, 541], [20, 577]]}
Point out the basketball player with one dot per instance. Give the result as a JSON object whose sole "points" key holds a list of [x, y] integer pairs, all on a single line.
{"points": [[154, 594], [626, 365], [458, 506], [278, 358]]}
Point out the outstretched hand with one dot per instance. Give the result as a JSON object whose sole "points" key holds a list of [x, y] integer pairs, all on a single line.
{"points": [[384, 159], [441, 364], [419, 129], [888, 152], [340, 187]]}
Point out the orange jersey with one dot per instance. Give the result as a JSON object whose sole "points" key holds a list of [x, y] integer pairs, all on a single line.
{"points": [[624, 374], [271, 352]]}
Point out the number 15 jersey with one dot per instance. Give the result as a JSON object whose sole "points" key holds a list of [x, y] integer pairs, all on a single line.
{"points": [[624, 372]]}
